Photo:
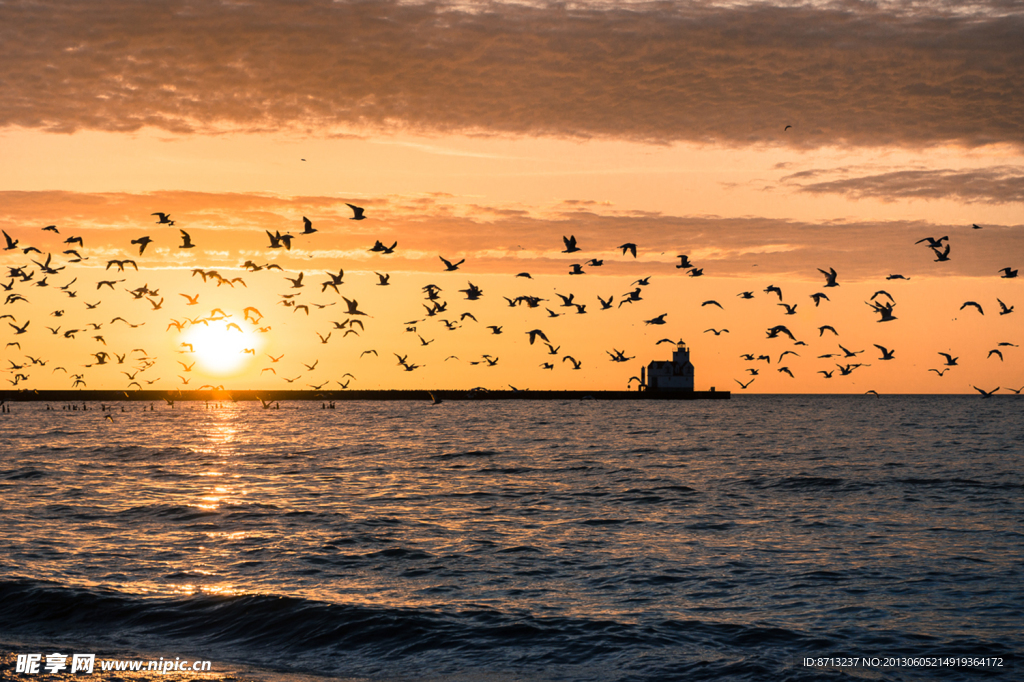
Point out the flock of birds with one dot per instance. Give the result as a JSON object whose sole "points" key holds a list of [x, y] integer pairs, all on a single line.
{"points": [[139, 365]]}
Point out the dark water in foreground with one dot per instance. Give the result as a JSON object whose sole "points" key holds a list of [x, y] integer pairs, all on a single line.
{"points": [[724, 540]]}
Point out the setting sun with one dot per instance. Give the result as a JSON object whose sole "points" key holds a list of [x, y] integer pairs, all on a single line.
{"points": [[220, 348]]}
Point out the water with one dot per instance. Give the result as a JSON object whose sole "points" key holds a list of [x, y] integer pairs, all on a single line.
{"points": [[718, 540]]}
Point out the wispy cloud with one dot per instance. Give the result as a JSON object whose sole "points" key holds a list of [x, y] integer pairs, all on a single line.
{"points": [[997, 185], [840, 73]]}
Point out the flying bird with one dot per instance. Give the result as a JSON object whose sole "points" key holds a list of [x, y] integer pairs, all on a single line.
{"points": [[972, 303], [830, 277], [628, 246], [449, 266], [534, 333], [886, 353], [186, 240], [570, 244], [307, 226], [120, 264], [357, 212], [165, 219], [11, 243], [353, 306], [142, 243]]}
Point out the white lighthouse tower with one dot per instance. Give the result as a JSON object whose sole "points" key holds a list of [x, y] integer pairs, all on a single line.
{"points": [[671, 375]]}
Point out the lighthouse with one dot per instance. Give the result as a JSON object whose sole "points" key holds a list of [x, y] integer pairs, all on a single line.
{"points": [[671, 375]]}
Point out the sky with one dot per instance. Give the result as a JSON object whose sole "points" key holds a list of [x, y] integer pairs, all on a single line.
{"points": [[767, 142]]}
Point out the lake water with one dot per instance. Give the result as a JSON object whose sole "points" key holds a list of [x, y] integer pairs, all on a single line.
{"points": [[584, 540]]}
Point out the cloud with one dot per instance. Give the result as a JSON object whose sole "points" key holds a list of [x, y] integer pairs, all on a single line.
{"points": [[914, 74], [229, 228], [997, 185]]}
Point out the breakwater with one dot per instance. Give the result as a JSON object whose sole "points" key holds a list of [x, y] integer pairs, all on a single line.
{"points": [[281, 396]]}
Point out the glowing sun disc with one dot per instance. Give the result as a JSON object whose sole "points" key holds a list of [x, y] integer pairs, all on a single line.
{"points": [[220, 349]]}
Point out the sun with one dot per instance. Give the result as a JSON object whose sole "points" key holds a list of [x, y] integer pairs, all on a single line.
{"points": [[221, 348]]}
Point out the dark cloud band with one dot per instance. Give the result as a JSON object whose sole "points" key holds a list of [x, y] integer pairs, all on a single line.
{"points": [[997, 185], [845, 74]]}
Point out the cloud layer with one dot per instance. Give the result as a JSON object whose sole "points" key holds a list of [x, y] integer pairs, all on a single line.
{"points": [[230, 227], [996, 185], [847, 73]]}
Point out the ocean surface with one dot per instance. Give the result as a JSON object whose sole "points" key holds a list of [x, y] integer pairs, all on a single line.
{"points": [[764, 538]]}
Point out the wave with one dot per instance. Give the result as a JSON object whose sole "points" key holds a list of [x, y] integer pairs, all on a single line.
{"points": [[295, 634]]}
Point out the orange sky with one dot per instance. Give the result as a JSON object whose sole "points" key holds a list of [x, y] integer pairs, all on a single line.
{"points": [[489, 135]]}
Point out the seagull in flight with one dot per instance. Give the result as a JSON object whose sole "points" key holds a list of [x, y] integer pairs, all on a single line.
{"points": [[357, 212], [972, 303], [886, 353], [186, 239], [307, 226], [353, 306], [830, 277], [570, 244], [628, 246], [142, 243], [534, 333], [449, 266], [165, 219]]}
